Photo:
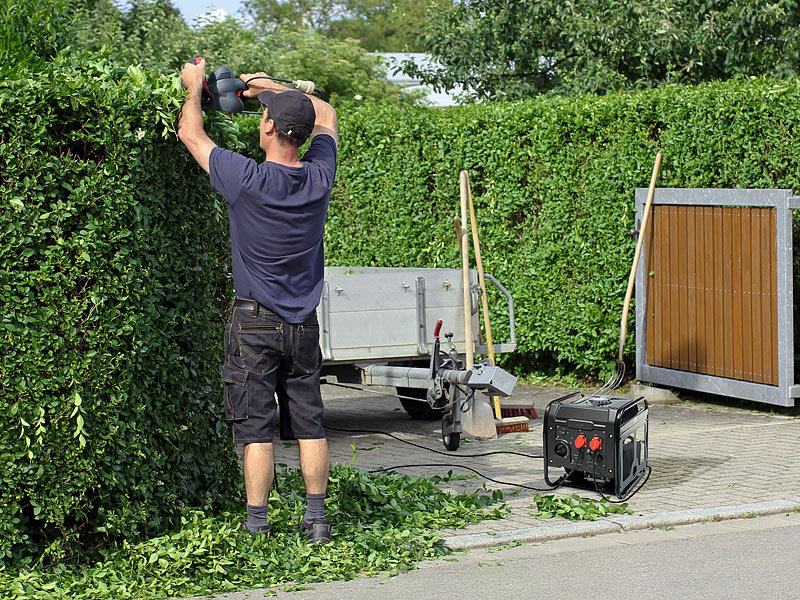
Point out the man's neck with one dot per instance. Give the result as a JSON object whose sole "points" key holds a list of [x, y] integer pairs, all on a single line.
{"points": [[283, 155]]}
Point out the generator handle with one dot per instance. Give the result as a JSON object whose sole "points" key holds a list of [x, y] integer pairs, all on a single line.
{"points": [[511, 345]]}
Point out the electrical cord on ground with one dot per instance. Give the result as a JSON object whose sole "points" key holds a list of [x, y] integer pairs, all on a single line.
{"points": [[560, 481], [553, 486], [399, 439]]}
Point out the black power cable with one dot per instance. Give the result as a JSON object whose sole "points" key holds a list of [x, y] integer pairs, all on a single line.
{"points": [[557, 484], [399, 439], [553, 486]]}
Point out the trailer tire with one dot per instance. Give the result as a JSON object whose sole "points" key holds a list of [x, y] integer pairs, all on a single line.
{"points": [[419, 411]]}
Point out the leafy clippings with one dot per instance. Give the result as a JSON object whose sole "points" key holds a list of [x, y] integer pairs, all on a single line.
{"points": [[576, 508], [382, 523]]}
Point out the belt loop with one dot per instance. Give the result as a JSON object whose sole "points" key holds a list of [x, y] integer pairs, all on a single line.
{"points": [[255, 309]]}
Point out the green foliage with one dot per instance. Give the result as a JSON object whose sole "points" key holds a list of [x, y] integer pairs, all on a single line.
{"points": [[553, 181], [152, 33], [378, 25], [384, 25], [149, 32], [112, 283], [576, 508], [31, 31], [516, 49], [382, 524]]}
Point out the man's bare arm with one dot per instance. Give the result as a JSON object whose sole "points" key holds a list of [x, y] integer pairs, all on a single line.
{"points": [[190, 122], [326, 122]]}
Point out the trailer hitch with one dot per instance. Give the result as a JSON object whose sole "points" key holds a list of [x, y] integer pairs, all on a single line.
{"points": [[451, 387]]}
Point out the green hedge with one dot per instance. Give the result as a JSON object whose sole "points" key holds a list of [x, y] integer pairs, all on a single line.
{"points": [[553, 180], [112, 286]]}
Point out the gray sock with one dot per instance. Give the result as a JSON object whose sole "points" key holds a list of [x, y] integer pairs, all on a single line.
{"points": [[315, 507], [257, 517]]}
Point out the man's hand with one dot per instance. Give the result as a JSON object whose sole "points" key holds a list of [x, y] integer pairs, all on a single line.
{"points": [[190, 120], [259, 85], [192, 76]]}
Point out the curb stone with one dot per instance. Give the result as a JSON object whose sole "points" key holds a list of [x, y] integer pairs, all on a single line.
{"points": [[626, 522]]}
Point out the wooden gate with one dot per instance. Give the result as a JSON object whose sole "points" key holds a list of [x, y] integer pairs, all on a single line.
{"points": [[716, 280]]}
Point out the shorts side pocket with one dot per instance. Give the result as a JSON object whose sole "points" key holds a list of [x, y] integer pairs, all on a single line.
{"points": [[307, 354], [234, 393]]}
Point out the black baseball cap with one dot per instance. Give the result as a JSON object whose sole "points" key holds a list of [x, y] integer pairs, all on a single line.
{"points": [[292, 111]]}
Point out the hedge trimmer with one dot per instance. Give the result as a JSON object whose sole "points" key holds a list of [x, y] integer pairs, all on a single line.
{"points": [[222, 90]]}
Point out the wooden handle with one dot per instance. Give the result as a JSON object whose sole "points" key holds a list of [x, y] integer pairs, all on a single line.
{"points": [[632, 278], [476, 246], [470, 351]]}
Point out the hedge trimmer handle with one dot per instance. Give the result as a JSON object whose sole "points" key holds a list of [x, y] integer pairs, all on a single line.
{"points": [[206, 95], [303, 85]]}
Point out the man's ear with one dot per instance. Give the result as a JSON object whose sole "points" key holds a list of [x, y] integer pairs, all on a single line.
{"points": [[268, 125]]}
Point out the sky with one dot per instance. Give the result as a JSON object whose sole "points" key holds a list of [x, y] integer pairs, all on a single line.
{"points": [[191, 9]]}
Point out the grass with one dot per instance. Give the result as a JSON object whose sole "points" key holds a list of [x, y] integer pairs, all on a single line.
{"points": [[382, 524]]}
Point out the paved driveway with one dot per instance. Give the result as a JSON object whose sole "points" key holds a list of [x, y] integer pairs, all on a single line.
{"points": [[702, 455]]}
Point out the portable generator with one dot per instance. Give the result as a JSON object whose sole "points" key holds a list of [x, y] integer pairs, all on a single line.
{"points": [[600, 441]]}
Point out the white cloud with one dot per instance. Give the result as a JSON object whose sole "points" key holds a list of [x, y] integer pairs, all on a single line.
{"points": [[212, 16]]}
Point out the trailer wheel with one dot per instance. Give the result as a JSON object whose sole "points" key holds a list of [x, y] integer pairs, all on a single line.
{"points": [[420, 411], [450, 439]]}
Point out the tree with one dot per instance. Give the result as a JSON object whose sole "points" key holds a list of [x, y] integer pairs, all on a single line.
{"points": [[344, 70], [515, 48], [384, 25], [378, 25], [273, 15], [153, 33]]}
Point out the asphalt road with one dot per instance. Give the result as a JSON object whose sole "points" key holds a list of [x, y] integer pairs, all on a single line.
{"points": [[747, 558]]}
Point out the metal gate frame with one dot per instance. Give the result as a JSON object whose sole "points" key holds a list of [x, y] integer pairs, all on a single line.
{"points": [[784, 202]]}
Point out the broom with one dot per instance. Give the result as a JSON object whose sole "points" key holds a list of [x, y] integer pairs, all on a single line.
{"points": [[509, 419]]}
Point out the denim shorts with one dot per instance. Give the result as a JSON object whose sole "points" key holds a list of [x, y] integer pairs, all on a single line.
{"points": [[265, 356]]}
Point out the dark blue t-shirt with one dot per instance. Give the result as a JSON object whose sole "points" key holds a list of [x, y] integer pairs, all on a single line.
{"points": [[277, 216]]}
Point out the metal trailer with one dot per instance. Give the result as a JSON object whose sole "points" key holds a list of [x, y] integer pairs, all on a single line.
{"points": [[376, 329]]}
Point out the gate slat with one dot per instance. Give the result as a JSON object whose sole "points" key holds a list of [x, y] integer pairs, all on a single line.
{"points": [[747, 297]]}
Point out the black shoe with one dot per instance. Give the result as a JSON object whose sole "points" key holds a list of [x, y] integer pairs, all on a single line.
{"points": [[263, 530], [316, 532]]}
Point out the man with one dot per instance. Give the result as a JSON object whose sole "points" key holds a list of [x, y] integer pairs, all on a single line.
{"points": [[277, 212]]}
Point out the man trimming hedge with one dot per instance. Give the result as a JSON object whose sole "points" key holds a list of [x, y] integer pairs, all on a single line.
{"points": [[277, 215]]}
